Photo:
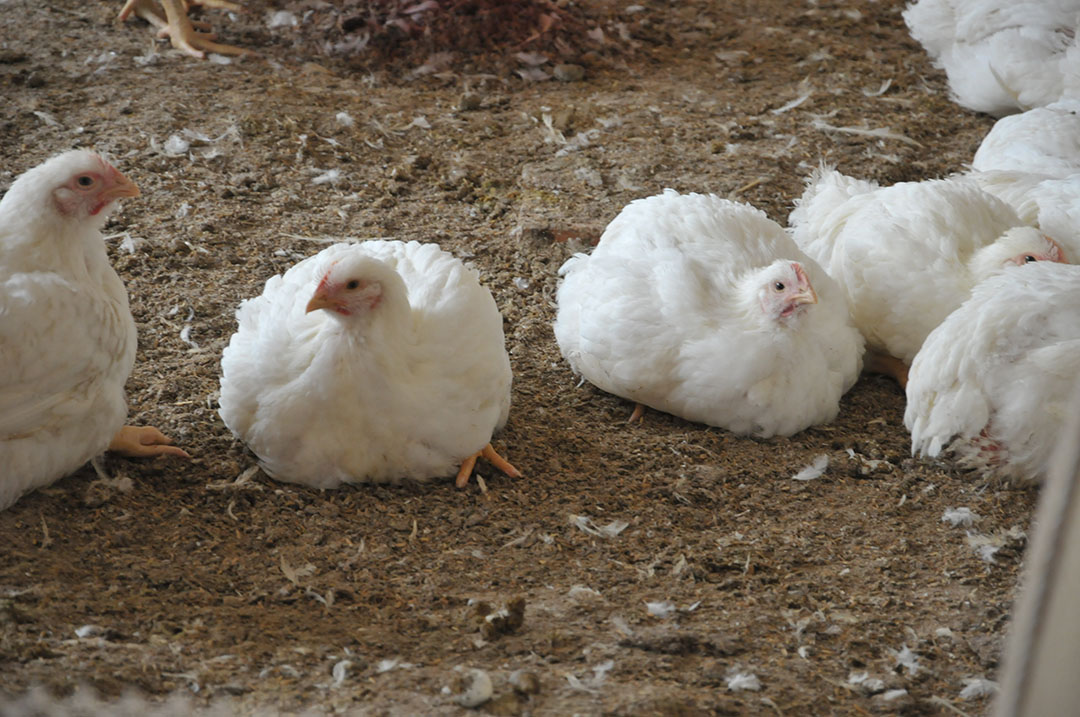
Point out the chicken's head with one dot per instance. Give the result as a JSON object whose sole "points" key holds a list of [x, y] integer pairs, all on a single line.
{"points": [[73, 186], [1016, 247], [1042, 249], [352, 286], [785, 290]]}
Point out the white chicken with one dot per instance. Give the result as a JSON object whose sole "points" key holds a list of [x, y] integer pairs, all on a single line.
{"points": [[704, 308], [1002, 56], [1032, 162], [67, 338], [369, 362], [1044, 140], [992, 383], [906, 255]]}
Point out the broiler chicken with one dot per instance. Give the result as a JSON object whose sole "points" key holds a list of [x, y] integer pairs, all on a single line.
{"points": [[991, 384], [67, 338], [1002, 56], [704, 308], [176, 25], [369, 363], [907, 255], [1031, 161]]}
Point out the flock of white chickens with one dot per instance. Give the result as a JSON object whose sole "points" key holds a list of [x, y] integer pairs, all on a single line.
{"points": [[690, 304]]}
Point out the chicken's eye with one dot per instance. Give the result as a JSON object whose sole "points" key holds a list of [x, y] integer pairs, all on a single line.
{"points": [[353, 284], [1029, 258], [779, 286], [85, 181]]}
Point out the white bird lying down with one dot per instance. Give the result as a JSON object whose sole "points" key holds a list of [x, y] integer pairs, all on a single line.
{"points": [[992, 383], [369, 362], [704, 308], [1044, 140], [1002, 56], [1031, 161], [67, 338], [906, 256]]}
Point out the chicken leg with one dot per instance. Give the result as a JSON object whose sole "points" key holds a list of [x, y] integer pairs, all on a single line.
{"points": [[179, 28], [883, 363], [144, 442], [492, 457]]}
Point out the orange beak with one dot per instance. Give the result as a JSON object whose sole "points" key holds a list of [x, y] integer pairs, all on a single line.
{"points": [[119, 186], [321, 300]]}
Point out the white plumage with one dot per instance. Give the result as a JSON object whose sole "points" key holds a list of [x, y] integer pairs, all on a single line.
{"points": [[67, 339], [1002, 56], [1043, 140], [992, 383], [678, 308], [401, 373], [1032, 162], [906, 255]]}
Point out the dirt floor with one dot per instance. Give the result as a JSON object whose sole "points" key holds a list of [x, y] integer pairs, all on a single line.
{"points": [[835, 593]]}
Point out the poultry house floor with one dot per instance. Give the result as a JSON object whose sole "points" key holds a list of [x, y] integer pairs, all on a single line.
{"points": [[644, 569]]}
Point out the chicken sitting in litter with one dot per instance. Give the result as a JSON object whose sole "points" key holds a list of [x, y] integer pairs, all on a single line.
{"points": [[704, 308], [1002, 56], [67, 338], [992, 384], [369, 362], [907, 255], [180, 30], [1031, 161]]}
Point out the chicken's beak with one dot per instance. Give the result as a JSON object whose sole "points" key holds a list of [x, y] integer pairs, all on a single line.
{"points": [[119, 187], [807, 296], [321, 300]]}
